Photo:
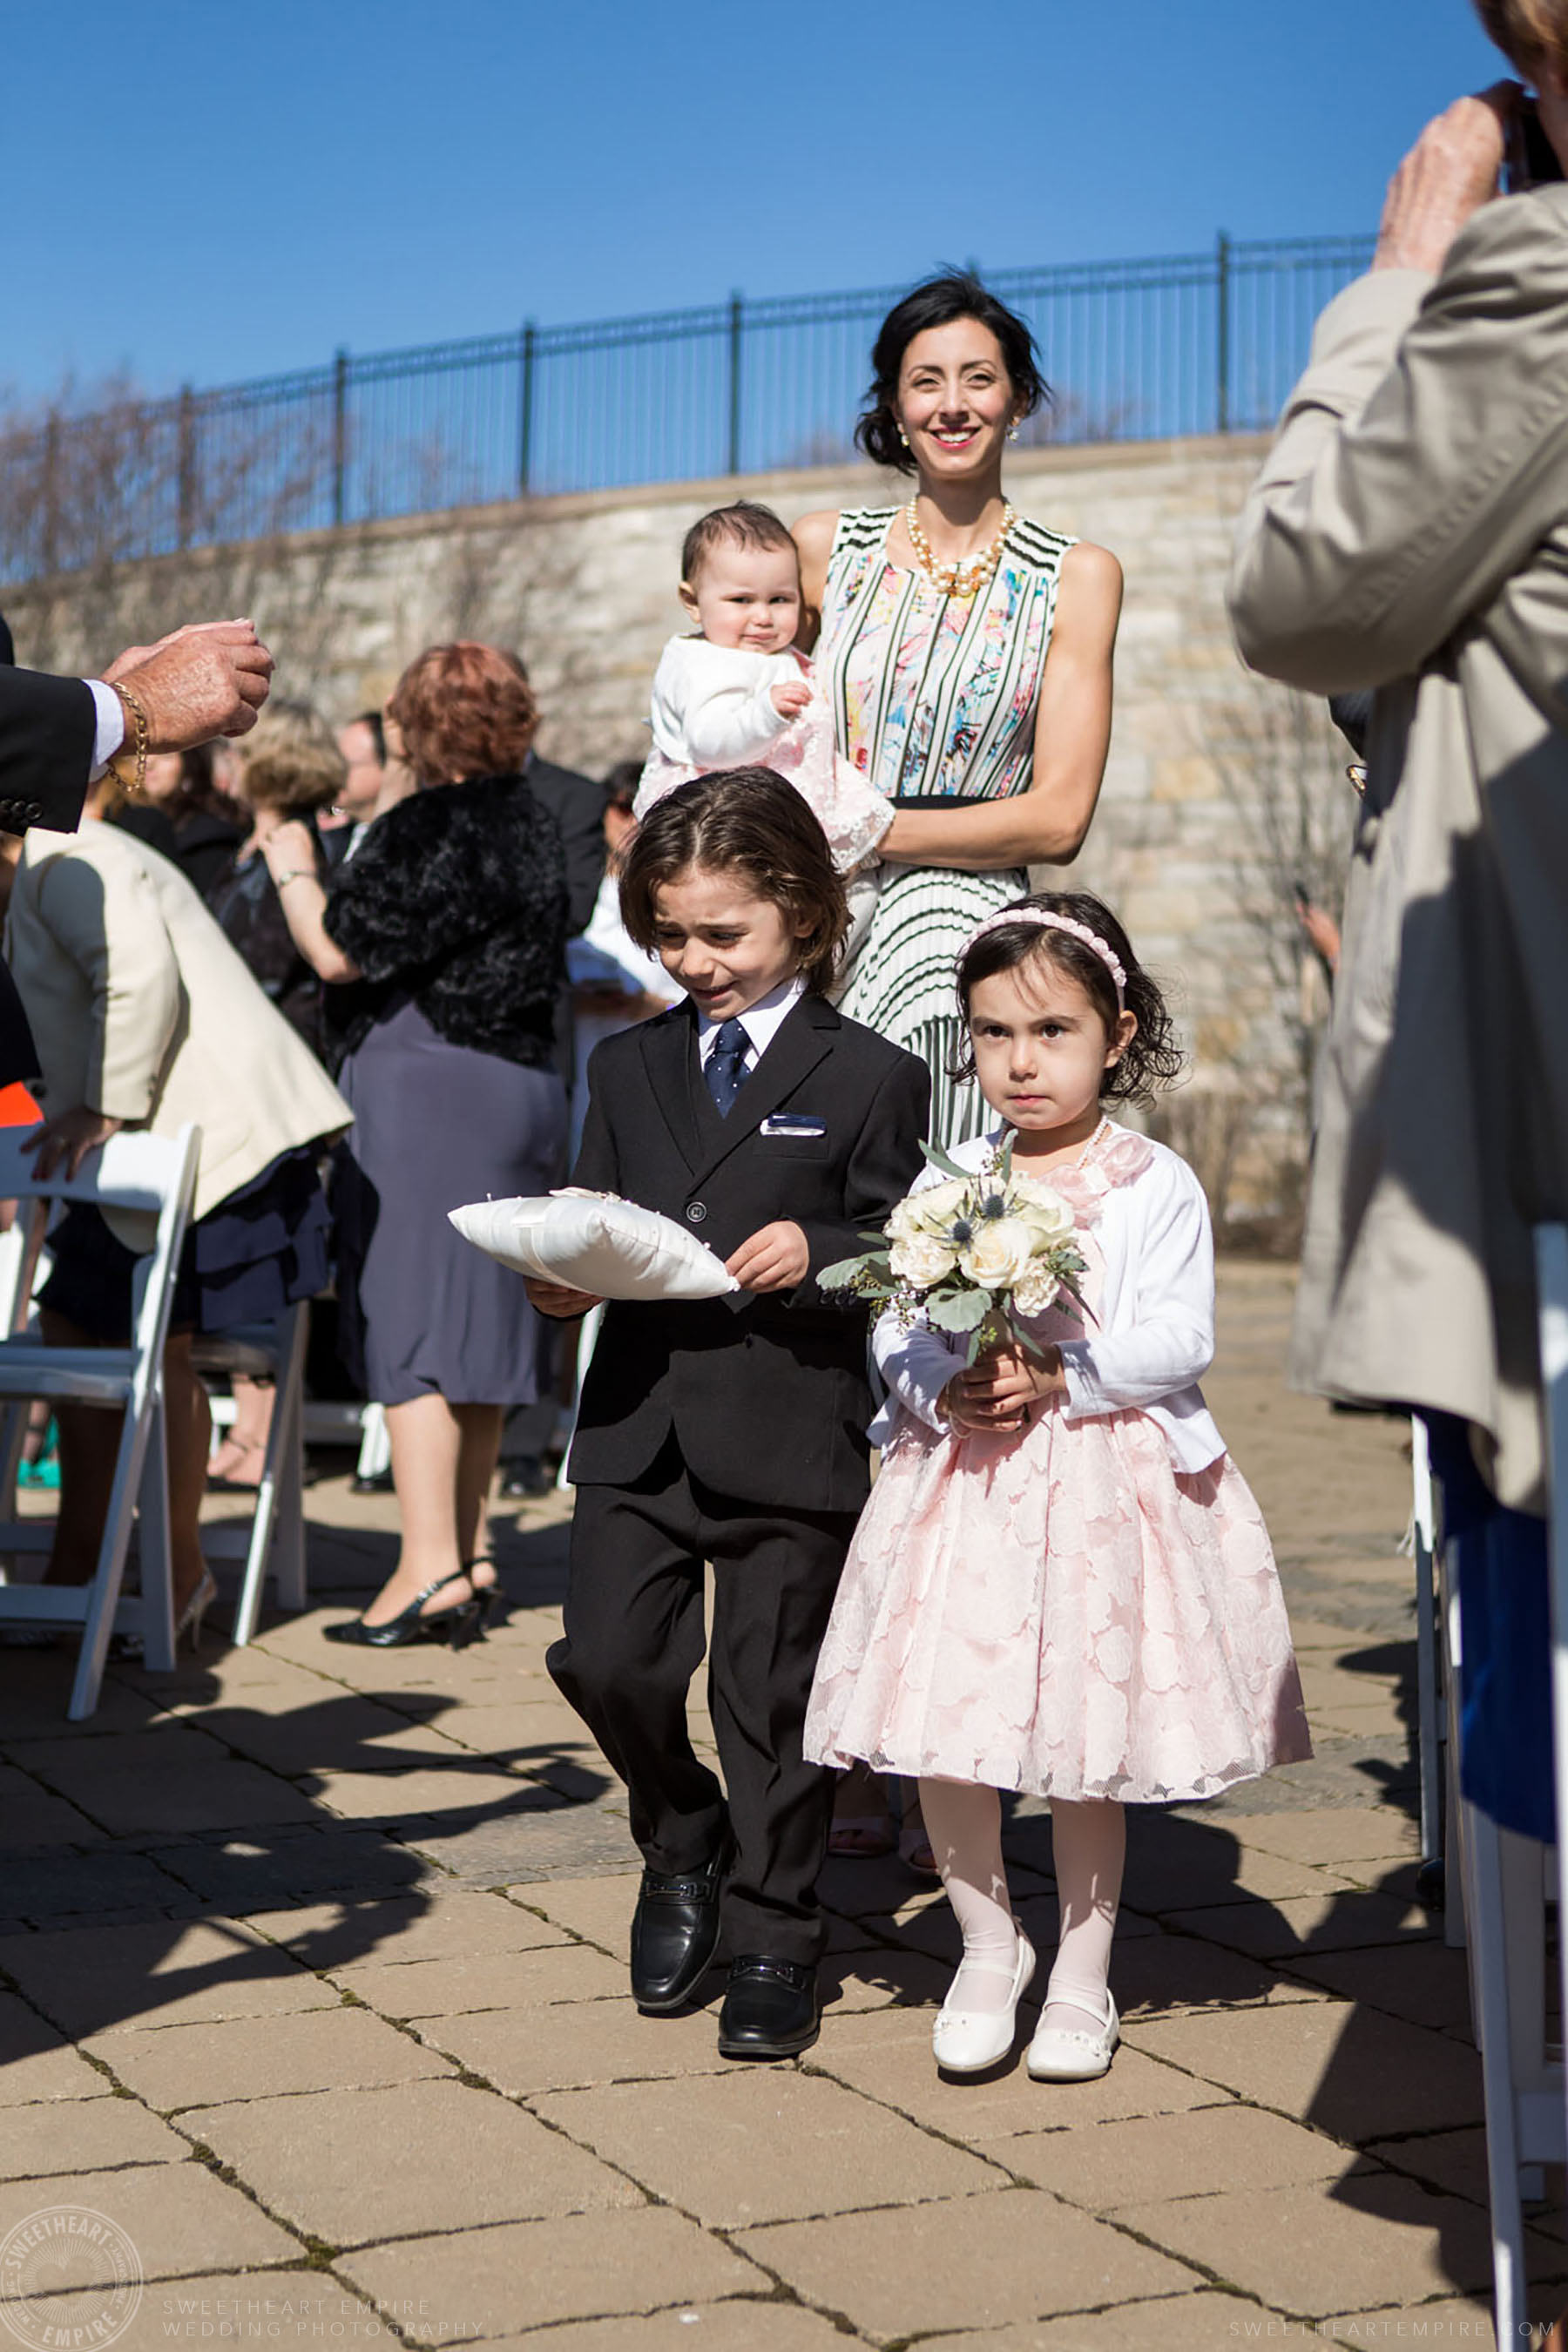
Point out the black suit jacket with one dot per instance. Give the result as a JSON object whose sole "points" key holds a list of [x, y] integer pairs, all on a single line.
{"points": [[46, 730], [577, 805], [767, 1396]]}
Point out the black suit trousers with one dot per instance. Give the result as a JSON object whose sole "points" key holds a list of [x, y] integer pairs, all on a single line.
{"points": [[633, 1638]]}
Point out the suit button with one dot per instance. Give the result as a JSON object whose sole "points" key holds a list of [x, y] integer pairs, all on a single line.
{"points": [[34, 810], [696, 1211]]}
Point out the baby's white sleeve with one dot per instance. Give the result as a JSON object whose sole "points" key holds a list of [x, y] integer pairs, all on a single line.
{"points": [[719, 702], [917, 1363], [1166, 1342]]}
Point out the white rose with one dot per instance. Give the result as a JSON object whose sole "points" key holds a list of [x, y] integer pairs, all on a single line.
{"points": [[1045, 1212], [1036, 1288], [922, 1259], [1000, 1250], [934, 1209], [903, 1225]]}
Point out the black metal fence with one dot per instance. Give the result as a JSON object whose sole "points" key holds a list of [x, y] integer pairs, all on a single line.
{"points": [[1135, 350]]}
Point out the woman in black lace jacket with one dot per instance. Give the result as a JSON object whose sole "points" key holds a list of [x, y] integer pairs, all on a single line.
{"points": [[443, 943]]}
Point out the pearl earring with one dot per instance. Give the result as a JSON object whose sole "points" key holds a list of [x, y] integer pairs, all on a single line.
{"points": [[1012, 433], [903, 436]]}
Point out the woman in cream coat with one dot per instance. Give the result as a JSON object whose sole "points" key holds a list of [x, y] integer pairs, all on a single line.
{"points": [[143, 1015], [1409, 533]]}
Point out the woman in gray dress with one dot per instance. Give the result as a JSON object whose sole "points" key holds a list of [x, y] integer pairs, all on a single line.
{"points": [[443, 943]]}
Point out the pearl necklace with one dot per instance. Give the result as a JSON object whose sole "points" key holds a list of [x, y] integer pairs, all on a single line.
{"points": [[970, 573]]}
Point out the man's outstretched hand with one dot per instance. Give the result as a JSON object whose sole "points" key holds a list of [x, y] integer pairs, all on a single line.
{"points": [[209, 679]]}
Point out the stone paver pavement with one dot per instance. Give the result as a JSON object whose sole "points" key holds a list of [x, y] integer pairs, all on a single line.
{"points": [[313, 1989]]}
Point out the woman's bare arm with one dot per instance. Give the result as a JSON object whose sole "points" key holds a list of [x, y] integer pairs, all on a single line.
{"points": [[1045, 825], [814, 535], [291, 854]]}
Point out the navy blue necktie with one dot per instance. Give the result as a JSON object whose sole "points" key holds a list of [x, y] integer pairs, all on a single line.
{"points": [[725, 1069]]}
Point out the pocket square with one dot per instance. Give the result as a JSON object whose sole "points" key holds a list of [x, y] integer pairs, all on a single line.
{"points": [[789, 1123]]}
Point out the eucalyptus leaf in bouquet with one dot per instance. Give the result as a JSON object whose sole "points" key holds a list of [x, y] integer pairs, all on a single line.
{"points": [[978, 1251]]}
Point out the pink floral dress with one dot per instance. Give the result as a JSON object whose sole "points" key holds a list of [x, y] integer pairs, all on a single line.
{"points": [[1060, 1611]]}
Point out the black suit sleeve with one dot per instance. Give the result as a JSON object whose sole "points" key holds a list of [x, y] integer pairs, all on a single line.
{"points": [[597, 1167], [577, 805], [47, 731], [883, 1165]]}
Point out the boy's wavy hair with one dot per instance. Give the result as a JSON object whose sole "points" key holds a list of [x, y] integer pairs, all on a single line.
{"points": [[1153, 1059], [744, 821]]}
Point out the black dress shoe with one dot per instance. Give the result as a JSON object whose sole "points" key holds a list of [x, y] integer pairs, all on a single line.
{"points": [[675, 1933], [770, 2009]]}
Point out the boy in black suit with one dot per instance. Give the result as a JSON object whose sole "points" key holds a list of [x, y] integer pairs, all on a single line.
{"points": [[730, 1430]]}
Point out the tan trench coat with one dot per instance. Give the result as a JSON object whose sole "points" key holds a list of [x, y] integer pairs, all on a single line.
{"points": [[1409, 531]]}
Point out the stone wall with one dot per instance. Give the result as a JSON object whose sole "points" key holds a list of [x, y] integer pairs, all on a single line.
{"points": [[1219, 792]]}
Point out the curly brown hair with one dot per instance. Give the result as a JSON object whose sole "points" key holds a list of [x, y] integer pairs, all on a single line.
{"points": [[464, 710], [1152, 1059], [745, 821]]}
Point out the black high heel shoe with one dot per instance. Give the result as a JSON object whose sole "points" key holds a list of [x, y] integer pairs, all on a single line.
{"points": [[489, 1599], [457, 1627]]}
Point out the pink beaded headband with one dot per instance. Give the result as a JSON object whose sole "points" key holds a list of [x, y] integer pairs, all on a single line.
{"points": [[1046, 921]]}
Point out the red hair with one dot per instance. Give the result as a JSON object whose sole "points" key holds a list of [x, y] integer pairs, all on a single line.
{"points": [[464, 709]]}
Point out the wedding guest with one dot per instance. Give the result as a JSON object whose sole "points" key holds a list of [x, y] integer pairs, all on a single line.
{"points": [[577, 805], [966, 651], [1403, 536], [290, 768], [57, 733], [144, 1015], [375, 782], [442, 942], [614, 982]]}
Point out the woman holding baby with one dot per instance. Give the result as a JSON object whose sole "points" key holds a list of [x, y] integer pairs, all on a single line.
{"points": [[966, 653]]}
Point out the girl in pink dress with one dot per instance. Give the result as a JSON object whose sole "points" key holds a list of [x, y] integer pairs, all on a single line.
{"points": [[1061, 1584]]}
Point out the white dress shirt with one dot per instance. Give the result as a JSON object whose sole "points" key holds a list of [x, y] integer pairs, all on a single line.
{"points": [[108, 731], [762, 1022], [1154, 1336]]}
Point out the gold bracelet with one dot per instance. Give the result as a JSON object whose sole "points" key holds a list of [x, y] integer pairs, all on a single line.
{"points": [[135, 784]]}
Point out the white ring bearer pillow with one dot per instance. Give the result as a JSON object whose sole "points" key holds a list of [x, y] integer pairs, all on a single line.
{"points": [[595, 1242]]}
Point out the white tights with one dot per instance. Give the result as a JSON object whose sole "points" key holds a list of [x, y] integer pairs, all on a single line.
{"points": [[1088, 1840]]}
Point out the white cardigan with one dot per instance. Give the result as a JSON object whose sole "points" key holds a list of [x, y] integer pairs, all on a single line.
{"points": [[713, 704], [1154, 1336]]}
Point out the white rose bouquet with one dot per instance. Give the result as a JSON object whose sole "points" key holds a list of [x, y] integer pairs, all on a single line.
{"points": [[973, 1254]]}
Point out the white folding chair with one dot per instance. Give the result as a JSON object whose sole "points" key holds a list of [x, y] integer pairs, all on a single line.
{"points": [[156, 1175], [274, 1535]]}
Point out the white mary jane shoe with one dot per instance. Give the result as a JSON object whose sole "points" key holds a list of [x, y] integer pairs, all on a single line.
{"points": [[967, 2041], [1059, 2055]]}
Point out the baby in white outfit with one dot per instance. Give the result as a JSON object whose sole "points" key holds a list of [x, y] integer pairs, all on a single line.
{"points": [[739, 693]]}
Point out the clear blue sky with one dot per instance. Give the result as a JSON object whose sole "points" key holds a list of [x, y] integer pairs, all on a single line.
{"points": [[194, 189]]}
